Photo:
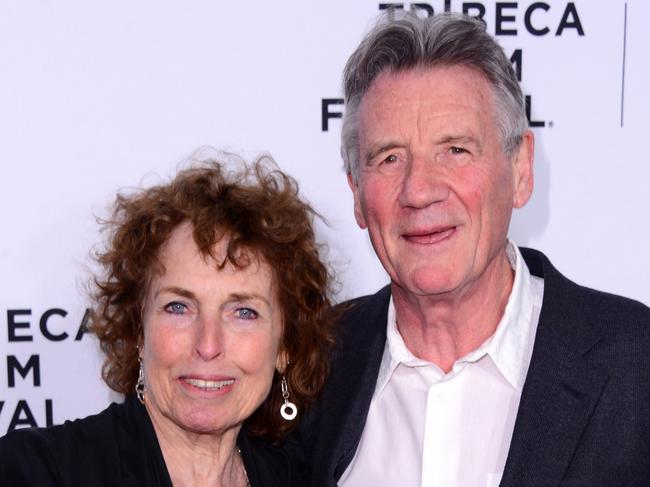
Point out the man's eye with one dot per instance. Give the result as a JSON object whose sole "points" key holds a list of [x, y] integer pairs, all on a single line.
{"points": [[391, 158], [176, 308], [246, 313], [457, 150]]}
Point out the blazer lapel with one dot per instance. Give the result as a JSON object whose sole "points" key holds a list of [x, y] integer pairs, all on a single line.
{"points": [[561, 390], [350, 387], [559, 396], [358, 384]]}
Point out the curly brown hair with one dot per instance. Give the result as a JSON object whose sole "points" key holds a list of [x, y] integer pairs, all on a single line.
{"points": [[258, 208]]}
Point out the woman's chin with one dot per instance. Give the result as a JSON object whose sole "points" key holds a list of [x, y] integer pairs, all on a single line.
{"points": [[206, 421]]}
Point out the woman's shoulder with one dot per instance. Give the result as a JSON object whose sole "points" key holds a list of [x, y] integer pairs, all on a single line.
{"points": [[55, 455], [31, 457], [92, 432]]}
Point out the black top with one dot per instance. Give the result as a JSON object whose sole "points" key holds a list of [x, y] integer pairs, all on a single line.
{"points": [[117, 447]]}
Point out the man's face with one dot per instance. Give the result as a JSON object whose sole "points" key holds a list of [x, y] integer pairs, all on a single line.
{"points": [[434, 188]]}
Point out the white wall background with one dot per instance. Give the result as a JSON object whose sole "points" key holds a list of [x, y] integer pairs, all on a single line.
{"points": [[98, 96]]}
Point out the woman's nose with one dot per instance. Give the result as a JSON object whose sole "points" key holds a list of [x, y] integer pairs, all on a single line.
{"points": [[209, 341]]}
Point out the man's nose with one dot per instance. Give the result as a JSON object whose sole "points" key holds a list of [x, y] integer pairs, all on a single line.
{"points": [[209, 338], [423, 183]]}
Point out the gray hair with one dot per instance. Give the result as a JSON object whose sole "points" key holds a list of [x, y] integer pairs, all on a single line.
{"points": [[401, 41]]}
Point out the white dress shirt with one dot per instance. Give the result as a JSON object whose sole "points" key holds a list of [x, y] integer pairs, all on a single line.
{"points": [[427, 428]]}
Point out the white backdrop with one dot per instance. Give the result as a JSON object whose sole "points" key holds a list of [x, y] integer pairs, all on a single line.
{"points": [[98, 96]]}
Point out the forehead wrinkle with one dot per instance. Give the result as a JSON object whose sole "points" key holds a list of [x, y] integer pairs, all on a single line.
{"points": [[434, 111], [385, 136]]}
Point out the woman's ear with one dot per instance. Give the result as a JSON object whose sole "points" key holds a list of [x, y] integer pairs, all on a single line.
{"points": [[140, 345], [281, 362]]}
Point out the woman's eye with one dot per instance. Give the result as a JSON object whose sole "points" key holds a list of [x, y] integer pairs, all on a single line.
{"points": [[176, 308], [246, 313]]}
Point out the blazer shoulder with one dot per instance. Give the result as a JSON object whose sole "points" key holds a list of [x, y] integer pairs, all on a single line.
{"points": [[587, 317], [372, 303], [623, 308], [359, 319], [623, 322], [612, 313]]}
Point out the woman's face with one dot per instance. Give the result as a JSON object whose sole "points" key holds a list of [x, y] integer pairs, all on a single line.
{"points": [[211, 338]]}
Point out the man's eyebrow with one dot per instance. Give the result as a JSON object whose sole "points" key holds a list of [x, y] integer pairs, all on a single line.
{"points": [[455, 139]]}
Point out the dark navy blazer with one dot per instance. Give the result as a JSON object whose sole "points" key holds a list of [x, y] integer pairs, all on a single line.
{"points": [[584, 415]]}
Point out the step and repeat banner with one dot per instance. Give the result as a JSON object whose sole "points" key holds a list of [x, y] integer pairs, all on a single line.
{"points": [[101, 96]]}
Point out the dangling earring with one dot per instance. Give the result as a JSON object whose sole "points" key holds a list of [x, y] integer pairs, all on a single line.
{"points": [[288, 410], [139, 386]]}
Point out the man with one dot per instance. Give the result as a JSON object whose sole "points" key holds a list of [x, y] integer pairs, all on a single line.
{"points": [[480, 364]]}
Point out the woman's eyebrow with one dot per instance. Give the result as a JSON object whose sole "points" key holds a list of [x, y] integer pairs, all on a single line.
{"points": [[186, 293], [248, 296]]}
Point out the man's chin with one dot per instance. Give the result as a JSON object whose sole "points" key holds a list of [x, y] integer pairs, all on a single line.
{"points": [[428, 282]]}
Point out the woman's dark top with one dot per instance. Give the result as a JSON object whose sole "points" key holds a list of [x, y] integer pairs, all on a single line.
{"points": [[117, 447]]}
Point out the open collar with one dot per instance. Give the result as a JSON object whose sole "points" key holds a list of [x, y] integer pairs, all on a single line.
{"points": [[511, 345]]}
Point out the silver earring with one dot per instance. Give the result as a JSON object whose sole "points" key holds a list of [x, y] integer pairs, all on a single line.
{"points": [[288, 410], [139, 386]]}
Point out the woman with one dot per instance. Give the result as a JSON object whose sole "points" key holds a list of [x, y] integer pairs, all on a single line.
{"points": [[212, 313]]}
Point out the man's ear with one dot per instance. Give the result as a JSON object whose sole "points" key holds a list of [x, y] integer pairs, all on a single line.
{"points": [[523, 179], [356, 192]]}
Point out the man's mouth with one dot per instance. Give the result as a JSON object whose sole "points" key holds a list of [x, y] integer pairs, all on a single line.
{"points": [[429, 237]]}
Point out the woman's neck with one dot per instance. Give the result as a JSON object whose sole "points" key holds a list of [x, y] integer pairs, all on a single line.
{"points": [[199, 459]]}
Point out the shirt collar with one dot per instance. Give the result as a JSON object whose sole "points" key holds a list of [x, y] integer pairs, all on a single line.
{"points": [[510, 346]]}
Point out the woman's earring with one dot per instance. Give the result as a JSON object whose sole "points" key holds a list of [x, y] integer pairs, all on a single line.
{"points": [[139, 386], [288, 410]]}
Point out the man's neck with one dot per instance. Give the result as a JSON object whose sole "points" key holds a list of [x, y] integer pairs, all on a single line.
{"points": [[443, 328]]}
